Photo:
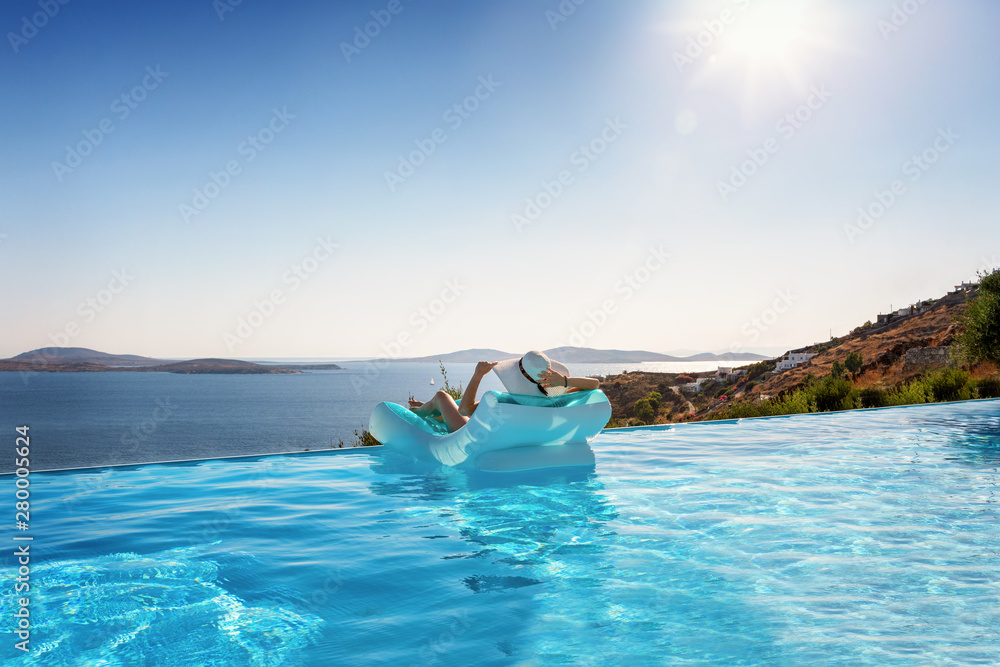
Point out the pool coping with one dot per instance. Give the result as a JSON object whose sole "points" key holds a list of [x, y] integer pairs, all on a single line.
{"points": [[237, 457], [623, 429]]}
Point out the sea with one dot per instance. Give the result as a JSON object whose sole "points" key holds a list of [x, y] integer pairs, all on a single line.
{"points": [[80, 420]]}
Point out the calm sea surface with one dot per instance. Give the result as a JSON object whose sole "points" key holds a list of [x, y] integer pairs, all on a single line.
{"points": [[94, 419]]}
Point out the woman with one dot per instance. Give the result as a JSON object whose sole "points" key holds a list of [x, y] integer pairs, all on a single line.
{"points": [[532, 374], [535, 373], [455, 415]]}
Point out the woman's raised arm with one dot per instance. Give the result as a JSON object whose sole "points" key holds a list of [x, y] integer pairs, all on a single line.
{"points": [[468, 403]]}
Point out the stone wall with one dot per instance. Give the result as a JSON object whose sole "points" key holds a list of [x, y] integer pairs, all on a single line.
{"points": [[920, 357]]}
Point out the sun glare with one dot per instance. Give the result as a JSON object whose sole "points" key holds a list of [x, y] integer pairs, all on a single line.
{"points": [[768, 32], [762, 48]]}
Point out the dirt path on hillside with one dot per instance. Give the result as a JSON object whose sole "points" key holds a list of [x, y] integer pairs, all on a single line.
{"points": [[690, 405]]}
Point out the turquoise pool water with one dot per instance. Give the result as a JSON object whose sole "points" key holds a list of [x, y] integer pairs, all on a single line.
{"points": [[867, 538]]}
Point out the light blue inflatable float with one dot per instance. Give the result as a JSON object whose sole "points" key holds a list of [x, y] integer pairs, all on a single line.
{"points": [[506, 433]]}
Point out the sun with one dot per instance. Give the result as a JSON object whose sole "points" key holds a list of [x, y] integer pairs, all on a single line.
{"points": [[770, 48], [769, 32]]}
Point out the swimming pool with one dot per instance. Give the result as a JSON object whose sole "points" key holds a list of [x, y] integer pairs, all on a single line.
{"points": [[860, 538]]}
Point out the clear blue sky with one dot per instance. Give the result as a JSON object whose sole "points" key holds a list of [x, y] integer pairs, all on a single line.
{"points": [[612, 120]]}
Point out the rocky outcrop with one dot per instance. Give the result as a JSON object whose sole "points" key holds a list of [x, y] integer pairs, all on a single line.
{"points": [[917, 358]]}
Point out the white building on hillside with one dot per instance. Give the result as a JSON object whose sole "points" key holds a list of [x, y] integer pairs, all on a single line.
{"points": [[728, 373], [793, 359], [697, 384]]}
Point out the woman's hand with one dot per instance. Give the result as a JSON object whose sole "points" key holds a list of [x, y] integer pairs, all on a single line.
{"points": [[483, 368], [551, 378]]}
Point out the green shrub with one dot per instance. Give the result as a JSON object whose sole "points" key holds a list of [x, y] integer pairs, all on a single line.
{"points": [[455, 393], [911, 393], [744, 410], [832, 393], [362, 438], [980, 338], [643, 410], [749, 386], [950, 384], [987, 387], [797, 403], [854, 362], [873, 397], [757, 369]]}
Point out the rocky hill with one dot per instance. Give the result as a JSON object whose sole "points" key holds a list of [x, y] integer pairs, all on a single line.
{"points": [[83, 355], [83, 360], [882, 349]]}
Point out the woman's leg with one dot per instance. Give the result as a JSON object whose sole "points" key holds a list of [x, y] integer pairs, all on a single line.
{"points": [[444, 404]]}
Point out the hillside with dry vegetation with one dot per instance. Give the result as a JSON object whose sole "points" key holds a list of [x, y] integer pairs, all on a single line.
{"points": [[868, 367], [882, 349]]}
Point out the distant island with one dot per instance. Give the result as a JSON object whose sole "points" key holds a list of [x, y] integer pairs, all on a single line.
{"points": [[84, 360], [582, 355]]}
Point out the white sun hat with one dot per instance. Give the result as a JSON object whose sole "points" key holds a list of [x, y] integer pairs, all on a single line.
{"points": [[521, 376]]}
